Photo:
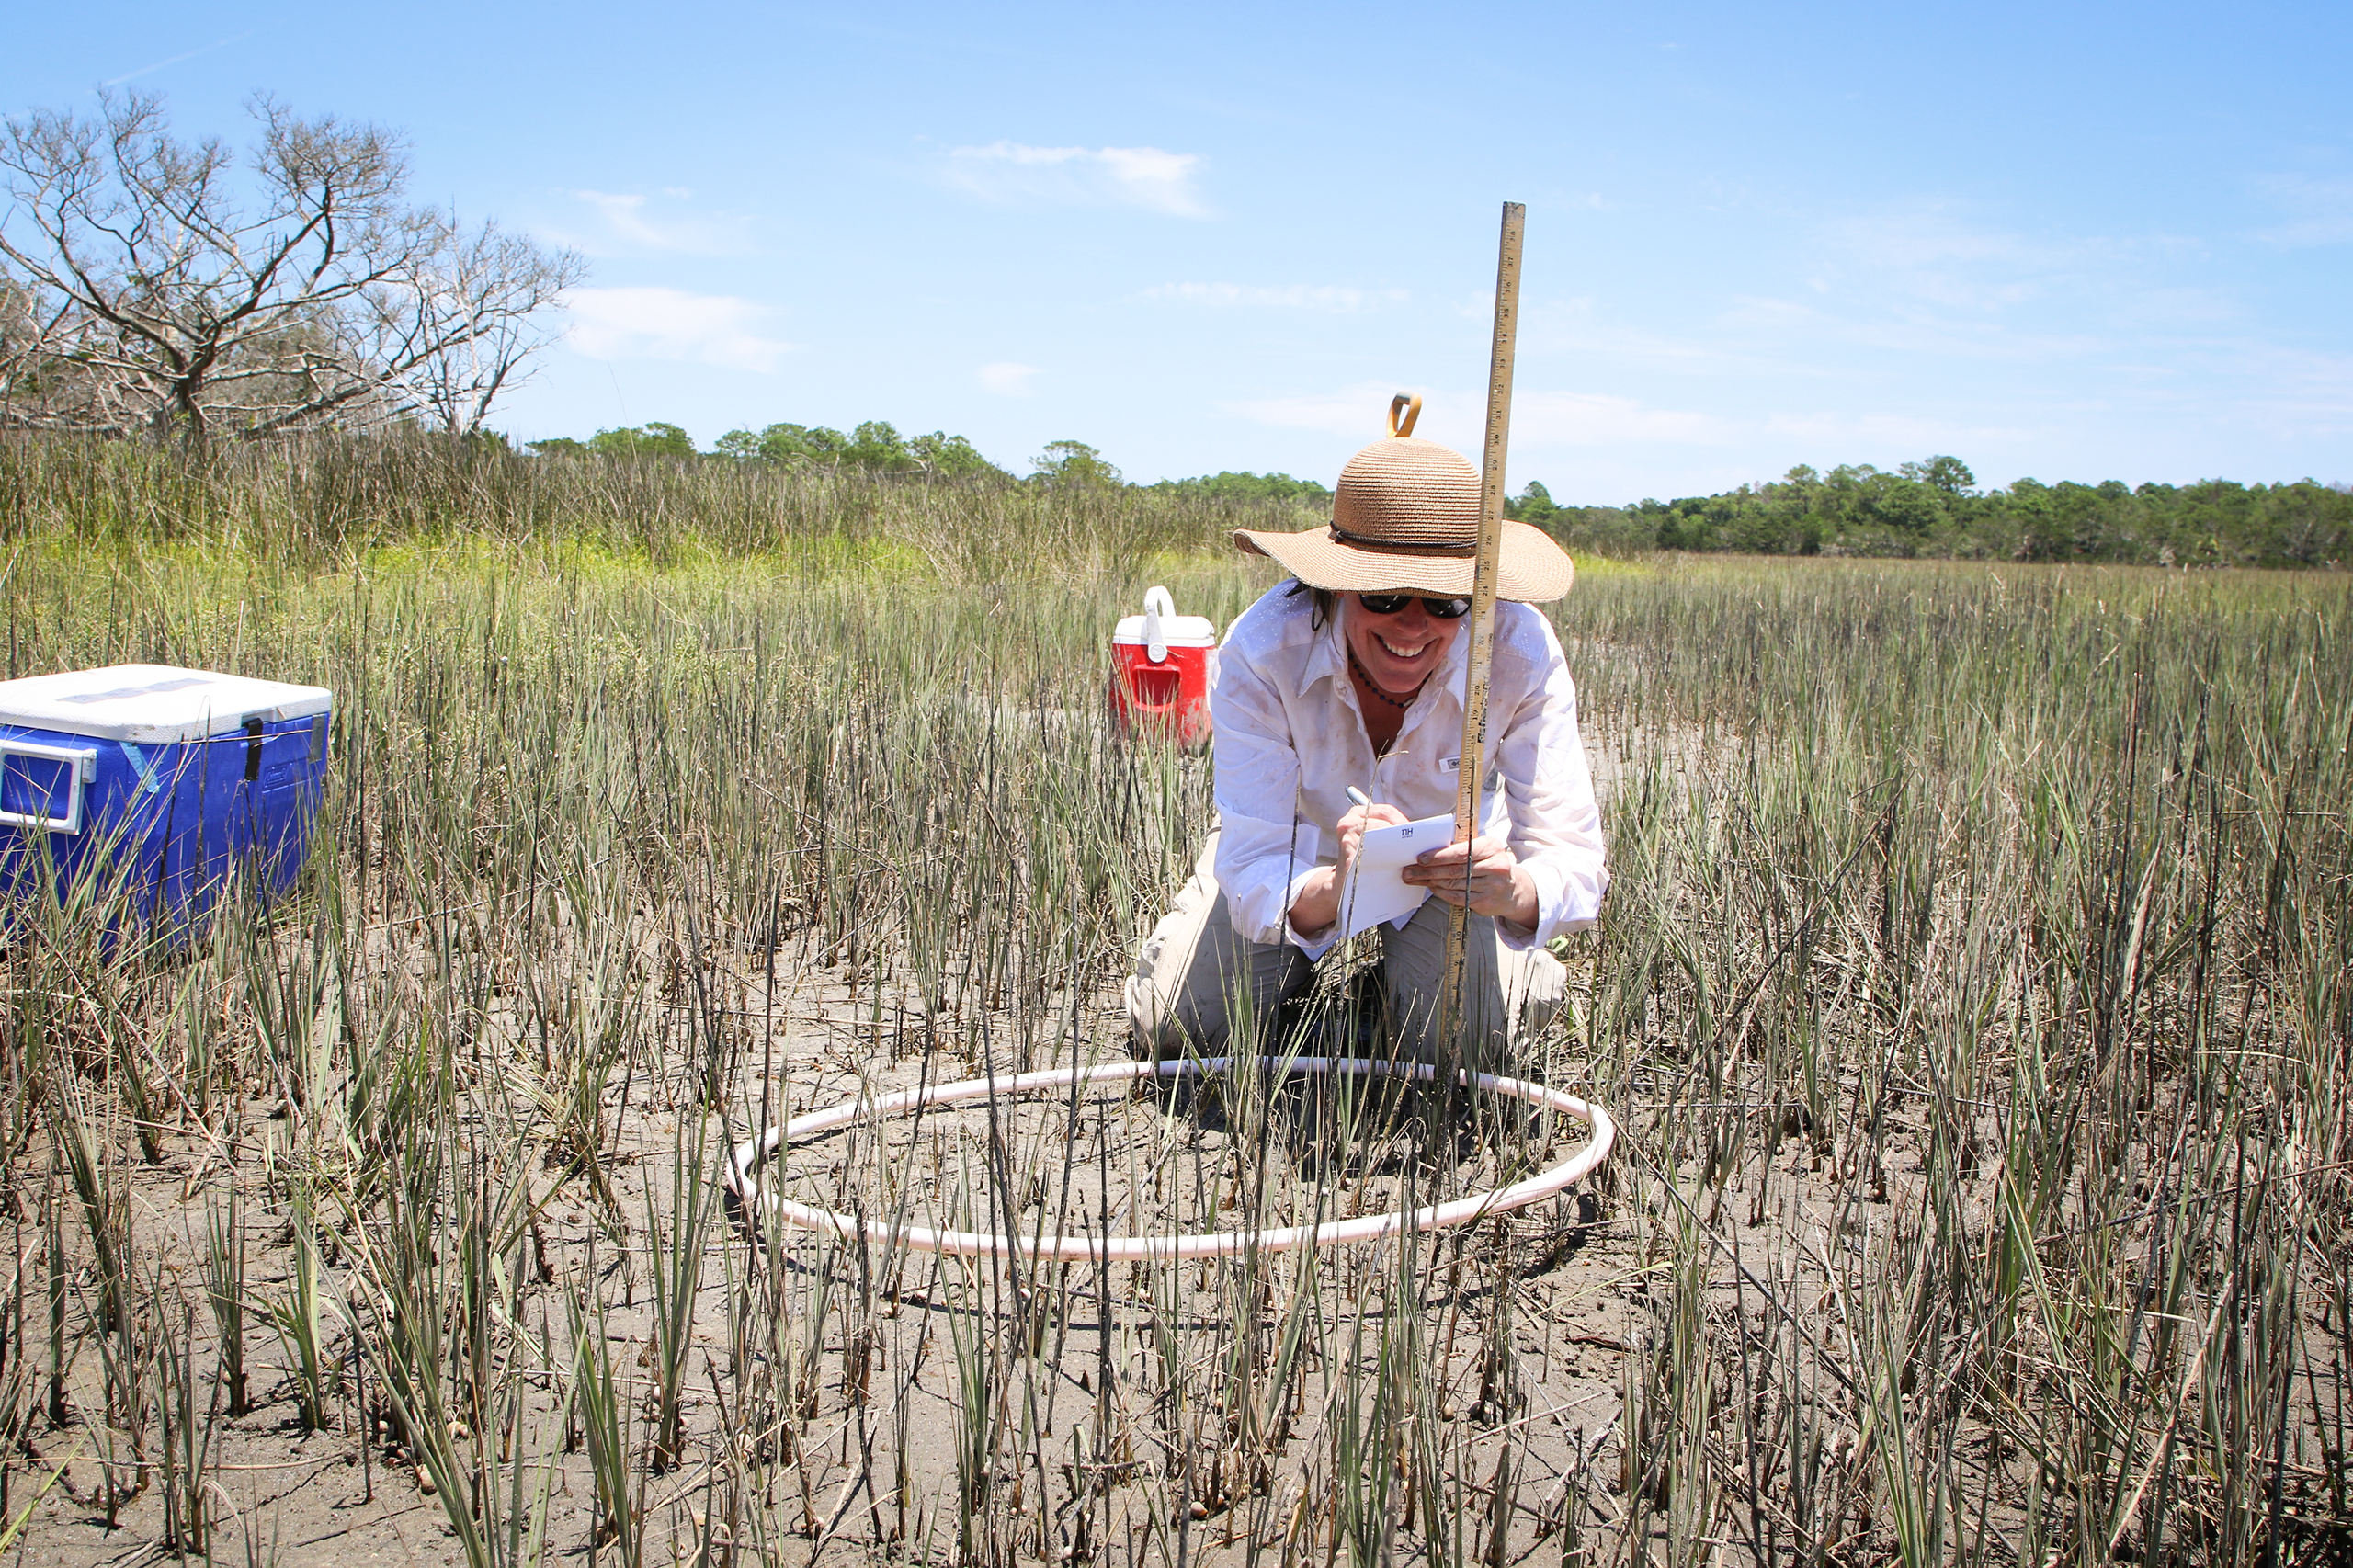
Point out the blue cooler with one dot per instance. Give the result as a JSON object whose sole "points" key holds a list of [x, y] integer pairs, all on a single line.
{"points": [[175, 780]]}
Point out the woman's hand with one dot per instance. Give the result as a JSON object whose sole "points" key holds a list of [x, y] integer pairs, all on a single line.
{"points": [[1496, 884], [1318, 903]]}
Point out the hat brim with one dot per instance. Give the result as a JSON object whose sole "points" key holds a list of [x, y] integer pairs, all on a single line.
{"points": [[1531, 568]]}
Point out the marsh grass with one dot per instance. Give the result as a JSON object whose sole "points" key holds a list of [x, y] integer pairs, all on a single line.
{"points": [[1973, 998], [325, 500]]}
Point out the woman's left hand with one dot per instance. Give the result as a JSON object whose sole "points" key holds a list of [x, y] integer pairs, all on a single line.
{"points": [[1496, 884]]}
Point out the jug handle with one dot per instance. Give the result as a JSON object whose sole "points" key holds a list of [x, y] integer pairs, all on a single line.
{"points": [[1156, 604]]}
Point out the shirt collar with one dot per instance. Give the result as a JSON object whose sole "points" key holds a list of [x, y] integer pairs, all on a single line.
{"points": [[1456, 672], [1329, 656]]}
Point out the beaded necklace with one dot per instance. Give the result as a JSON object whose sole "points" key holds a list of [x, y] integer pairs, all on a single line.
{"points": [[1374, 686]]}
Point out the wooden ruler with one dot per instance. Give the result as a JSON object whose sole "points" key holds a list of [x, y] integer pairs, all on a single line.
{"points": [[1455, 1001]]}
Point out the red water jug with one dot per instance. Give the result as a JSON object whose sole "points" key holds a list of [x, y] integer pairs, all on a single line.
{"points": [[1162, 665]]}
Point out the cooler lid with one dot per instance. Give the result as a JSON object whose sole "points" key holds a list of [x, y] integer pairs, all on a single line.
{"points": [[1177, 630], [152, 704]]}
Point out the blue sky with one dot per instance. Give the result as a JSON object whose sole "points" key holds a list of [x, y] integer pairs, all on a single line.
{"points": [[2065, 241]]}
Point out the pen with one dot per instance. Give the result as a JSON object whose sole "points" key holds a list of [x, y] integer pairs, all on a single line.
{"points": [[1359, 796]]}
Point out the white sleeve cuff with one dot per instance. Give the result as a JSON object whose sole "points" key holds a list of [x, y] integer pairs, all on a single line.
{"points": [[1318, 945], [1256, 872], [1548, 911]]}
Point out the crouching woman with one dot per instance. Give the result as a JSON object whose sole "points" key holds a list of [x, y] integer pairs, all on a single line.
{"points": [[1352, 674]]}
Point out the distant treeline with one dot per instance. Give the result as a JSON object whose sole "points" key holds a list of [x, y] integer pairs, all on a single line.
{"points": [[1934, 508], [875, 446], [1929, 508], [876, 449]]}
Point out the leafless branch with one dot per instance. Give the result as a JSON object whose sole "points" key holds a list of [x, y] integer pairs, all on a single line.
{"points": [[144, 284]]}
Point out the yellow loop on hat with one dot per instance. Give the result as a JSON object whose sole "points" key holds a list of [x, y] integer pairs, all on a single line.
{"points": [[1412, 405]]}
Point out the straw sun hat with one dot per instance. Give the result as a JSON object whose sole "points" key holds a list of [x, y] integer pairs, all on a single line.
{"points": [[1405, 521]]}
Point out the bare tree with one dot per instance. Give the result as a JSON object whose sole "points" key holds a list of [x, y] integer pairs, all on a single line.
{"points": [[152, 286], [466, 329]]}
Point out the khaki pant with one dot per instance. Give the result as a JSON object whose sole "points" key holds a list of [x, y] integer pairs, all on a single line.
{"points": [[1197, 980]]}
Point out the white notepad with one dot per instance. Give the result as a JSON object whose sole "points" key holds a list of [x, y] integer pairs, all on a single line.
{"points": [[1377, 889]]}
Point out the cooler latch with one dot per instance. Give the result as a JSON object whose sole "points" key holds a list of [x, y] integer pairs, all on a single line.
{"points": [[253, 748]]}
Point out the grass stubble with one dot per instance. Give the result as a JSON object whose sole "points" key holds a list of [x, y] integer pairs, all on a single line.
{"points": [[1972, 998]]}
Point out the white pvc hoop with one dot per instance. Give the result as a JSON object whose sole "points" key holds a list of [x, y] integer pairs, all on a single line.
{"points": [[742, 1164]]}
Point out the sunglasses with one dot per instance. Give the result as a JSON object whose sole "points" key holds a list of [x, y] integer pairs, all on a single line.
{"points": [[1390, 603]]}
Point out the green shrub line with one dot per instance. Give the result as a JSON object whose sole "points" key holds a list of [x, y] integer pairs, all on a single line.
{"points": [[1932, 508]]}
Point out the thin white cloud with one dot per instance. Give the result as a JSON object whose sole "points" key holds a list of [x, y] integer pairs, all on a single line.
{"points": [[1542, 419], [1456, 417], [1926, 253], [631, 222], [1007, 379], [2320, 210], [1590, 419], [1361, 410], [1127, 176], [670, 323], [1718, 348], [2181, 305], [1931, 255], [1849, 432], [1906, 328], [1886, 289], [2291, 390], [175, 59], [1930, 235], [1293, 297]]}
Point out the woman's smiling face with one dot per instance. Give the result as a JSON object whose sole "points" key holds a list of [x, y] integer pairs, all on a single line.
{"points": [[1399, 651]]}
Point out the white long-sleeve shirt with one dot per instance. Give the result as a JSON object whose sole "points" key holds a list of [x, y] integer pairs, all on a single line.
{"points": [[1290, 739]]}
